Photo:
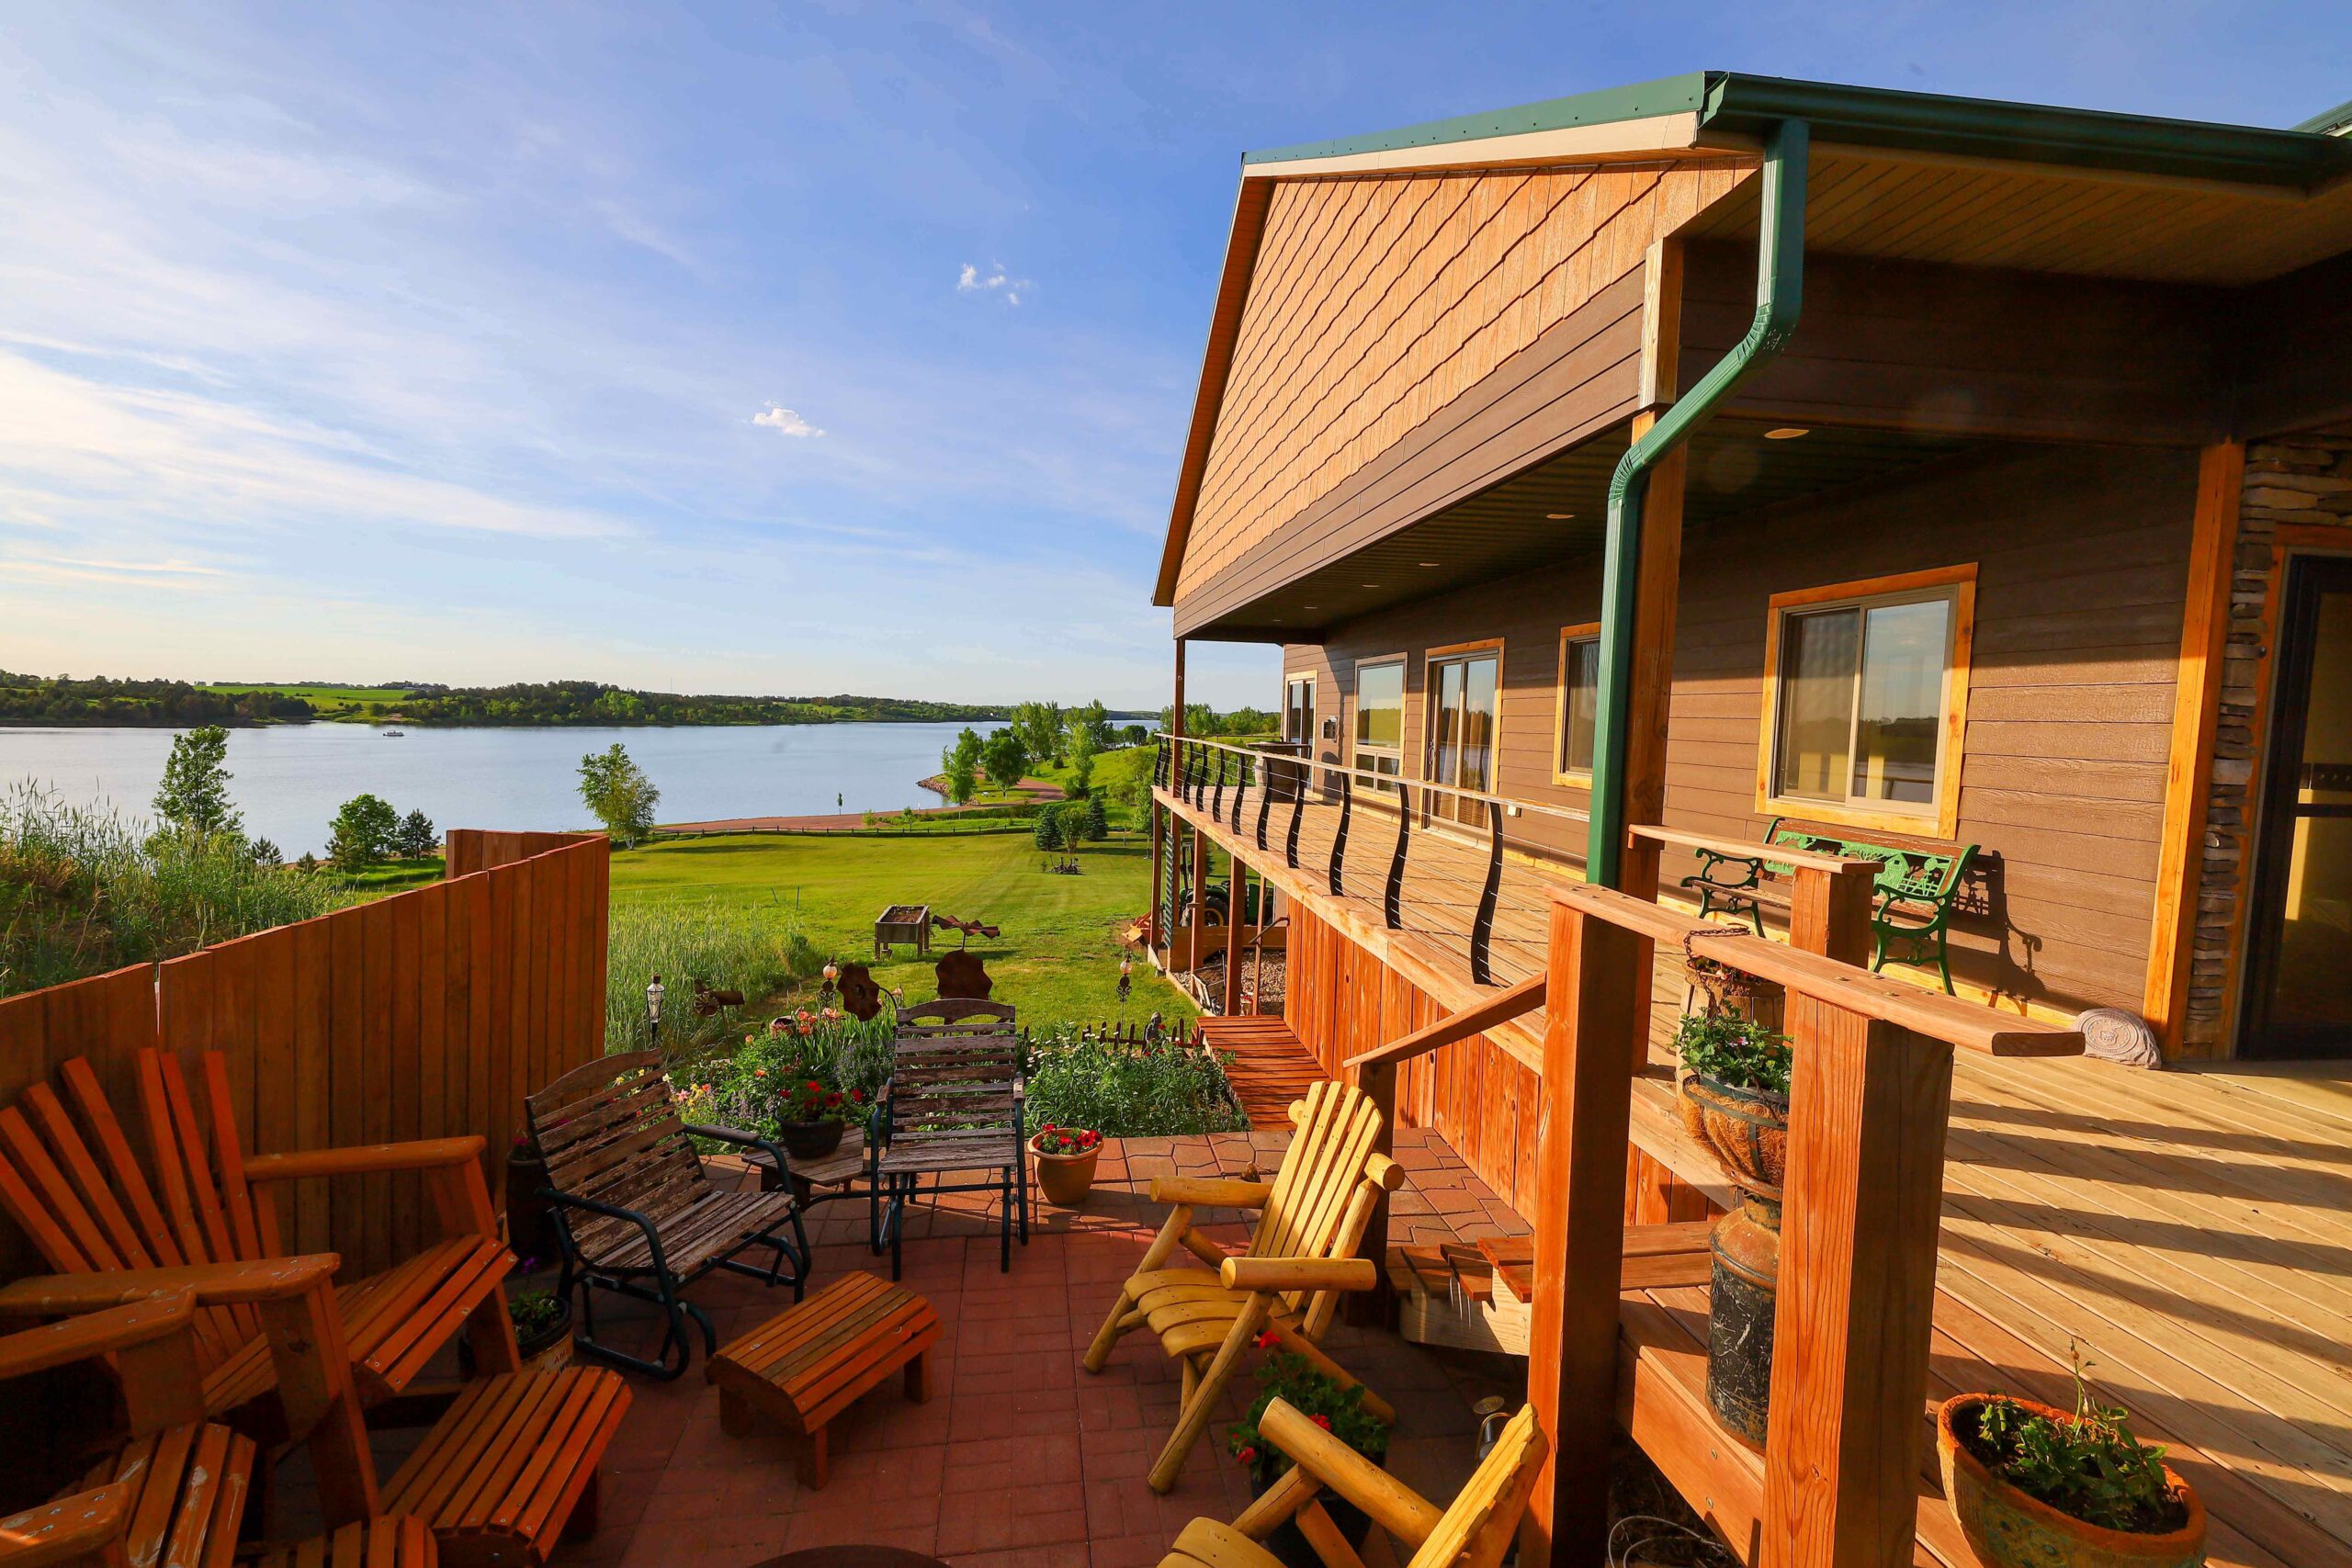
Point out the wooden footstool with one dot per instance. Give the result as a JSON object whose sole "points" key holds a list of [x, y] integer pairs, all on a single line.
{"points": [[809, 1362]]}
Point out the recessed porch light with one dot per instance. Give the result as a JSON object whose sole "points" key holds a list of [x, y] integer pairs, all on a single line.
{"points": [[1786, 433], [1557, 517], [1371, 585], [1429, 563]]}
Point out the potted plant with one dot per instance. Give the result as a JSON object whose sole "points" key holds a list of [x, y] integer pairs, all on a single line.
{"points": [[1066, 1157], [542, 1324], [1336, 1407], [2032, 1486], [1735, 1093], [810, 1114]]}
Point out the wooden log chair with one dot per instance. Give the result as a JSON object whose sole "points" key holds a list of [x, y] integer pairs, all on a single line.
{"points": [[178, 1482], [508, 1470], [1474, 1530], [635, 1212], [89, 1205], [953, 1105], [1312, 1219]]}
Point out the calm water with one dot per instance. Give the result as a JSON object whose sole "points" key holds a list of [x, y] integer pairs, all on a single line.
{"points": [[288, 781]]}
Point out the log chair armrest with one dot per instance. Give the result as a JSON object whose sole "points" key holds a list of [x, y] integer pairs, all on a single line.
{"points": [[1395, 1506], [1211, 1192], [365, 1159], [209, 1284], [615, 1212], [1298, 1274], [742, 1140], [76, 1529], [92, 1334]]}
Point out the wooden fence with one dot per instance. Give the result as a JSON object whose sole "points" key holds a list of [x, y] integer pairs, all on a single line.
{"points": [[425, 1014]]}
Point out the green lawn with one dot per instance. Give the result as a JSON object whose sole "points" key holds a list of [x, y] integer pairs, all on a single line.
{"points": [[1059, 956], [400, 876]]}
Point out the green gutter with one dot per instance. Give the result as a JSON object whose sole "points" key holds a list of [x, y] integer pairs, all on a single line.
{"points": [[1779, 299]]}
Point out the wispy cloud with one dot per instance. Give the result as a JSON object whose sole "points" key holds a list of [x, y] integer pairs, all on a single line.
{"points": [[996, 280], [784, 421]]}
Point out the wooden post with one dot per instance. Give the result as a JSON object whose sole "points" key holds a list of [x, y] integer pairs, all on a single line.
{"points": [[1236, 903], [1598, 987], [1200, 899], [1158, 868], [1658, 583], [1869, 1104], [1829, 912]]}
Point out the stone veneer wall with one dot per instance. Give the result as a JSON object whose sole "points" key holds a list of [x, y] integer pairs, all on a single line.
{"points": [[2304, 480]]}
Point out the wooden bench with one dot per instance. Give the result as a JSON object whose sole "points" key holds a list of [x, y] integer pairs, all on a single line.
{"points": [[810, 1362], [1918, 883], [512, 1467]]}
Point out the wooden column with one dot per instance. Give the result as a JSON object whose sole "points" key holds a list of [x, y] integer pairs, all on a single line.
{"points": [[1597, 983], [1200, 897], [1870, 1106], [1829, 912], [2196, 718], [1237, 902], [1659, 584], [1158, 868]]}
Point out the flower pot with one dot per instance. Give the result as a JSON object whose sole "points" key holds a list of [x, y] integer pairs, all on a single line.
{"points": [[1289, 1545], [810, 1140], [1064, 1179], [548, 1348], [1744, 1292], [526, 1212], [1747, 1129], [2008, 1528]]}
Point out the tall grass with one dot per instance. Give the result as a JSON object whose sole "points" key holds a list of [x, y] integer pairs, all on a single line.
{"points": [[757, 950], [84, 890]]}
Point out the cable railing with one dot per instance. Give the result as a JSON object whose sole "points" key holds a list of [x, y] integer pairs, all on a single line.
{"points": [[1229, 782]]}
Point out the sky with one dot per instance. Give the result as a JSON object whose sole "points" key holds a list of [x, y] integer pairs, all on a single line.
{"points": [[787, 348]]}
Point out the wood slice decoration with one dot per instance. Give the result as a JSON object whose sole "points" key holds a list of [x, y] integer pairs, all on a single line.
{"points": [[861, 998], [961, 973]]}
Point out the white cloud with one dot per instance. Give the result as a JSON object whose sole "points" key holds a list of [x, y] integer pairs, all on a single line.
{"points": [[996, 280], [784, 421]]}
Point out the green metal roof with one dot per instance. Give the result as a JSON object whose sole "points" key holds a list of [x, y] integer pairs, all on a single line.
{"points": [[1923, 122], [2337, 121]]}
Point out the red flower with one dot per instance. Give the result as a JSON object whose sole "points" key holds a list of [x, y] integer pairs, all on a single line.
{"points": [[1323, 1422], [1049, 1126], [1248, 1455], [832, 1100], [816, 1087], [857, 1097], [1088, 1140], [1268, 1339]]}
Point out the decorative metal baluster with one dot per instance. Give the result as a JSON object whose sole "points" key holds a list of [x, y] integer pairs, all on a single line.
{"points": [[1297, 815], [1266, 772], [1393, 906], [1482, 930], [1339, 838], [1216, 806], [1240, 785], [1159, 765]]}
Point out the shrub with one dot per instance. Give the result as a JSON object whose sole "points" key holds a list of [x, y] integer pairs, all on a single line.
{"points": [[84, 891], [1129, 1091], [757, 950]]}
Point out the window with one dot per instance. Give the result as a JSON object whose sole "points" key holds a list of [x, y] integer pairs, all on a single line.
{"points": [[1579, 693], [1380, 720], [1463, 683], [1298, 708], [1866, 695]]}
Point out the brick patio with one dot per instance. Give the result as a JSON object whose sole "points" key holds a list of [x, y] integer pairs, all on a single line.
{"points": [[1020, 1457]]}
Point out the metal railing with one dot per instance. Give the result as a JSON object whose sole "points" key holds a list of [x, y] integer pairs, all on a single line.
{"points": [[1203, 773]]}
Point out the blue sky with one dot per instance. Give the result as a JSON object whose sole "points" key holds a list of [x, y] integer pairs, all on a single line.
{"points": [[782, 348]]}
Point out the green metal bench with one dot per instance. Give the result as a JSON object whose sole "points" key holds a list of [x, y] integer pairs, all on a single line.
{"points": [[1918, 883]]}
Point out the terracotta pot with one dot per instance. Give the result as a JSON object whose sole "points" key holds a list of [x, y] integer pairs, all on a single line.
{"points": [[2008, 1528], [810, 1140], [1064, 1179], [549, 1349], [1747, 1129]]}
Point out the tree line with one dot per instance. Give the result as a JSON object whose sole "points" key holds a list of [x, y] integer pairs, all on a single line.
{"points": [[61, 700]]}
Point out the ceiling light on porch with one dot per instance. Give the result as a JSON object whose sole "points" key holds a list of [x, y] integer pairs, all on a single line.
{"points": [[1429, 563], [1786, 433], [1557, 517], [1372, 586]]}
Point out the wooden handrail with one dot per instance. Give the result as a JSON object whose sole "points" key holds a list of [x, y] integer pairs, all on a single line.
{"points": [[1476, 1019], [1741, 848], [1969, 1025], [1314, 765]]}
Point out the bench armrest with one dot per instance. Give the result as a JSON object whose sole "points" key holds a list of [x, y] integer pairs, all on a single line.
{"points": [[1298, 1274], [209, 1284], [74, 1528], [1395, 1506], [742, 1140], [365, 1159], [1211, 1192], [94, 1333]]}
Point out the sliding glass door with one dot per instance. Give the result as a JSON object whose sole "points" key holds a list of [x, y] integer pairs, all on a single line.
{"points": [[1462, 694]]}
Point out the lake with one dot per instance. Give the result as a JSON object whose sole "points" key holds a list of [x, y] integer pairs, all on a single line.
{"points": [[288, 780]]}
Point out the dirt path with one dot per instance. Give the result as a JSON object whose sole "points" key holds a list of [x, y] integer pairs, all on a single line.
{"points": [[846, 821]]}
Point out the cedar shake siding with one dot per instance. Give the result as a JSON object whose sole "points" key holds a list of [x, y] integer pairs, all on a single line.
{"points": [[2082, 570]]}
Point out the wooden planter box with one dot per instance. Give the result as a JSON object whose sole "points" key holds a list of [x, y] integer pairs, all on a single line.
{"points": [[902, 922]]}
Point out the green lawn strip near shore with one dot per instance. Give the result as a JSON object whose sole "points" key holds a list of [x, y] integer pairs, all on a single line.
{"points": [[1057, 958]]}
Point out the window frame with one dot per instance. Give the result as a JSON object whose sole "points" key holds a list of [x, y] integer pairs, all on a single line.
{"points": [[1939, 818], [1292, 678], [1425, 759], [1569, 778], [1355, 710]]}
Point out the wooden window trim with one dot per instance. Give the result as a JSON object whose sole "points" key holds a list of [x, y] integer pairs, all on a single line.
{"points": [[1404, 662], [1290, 678], [1944, 818], [1564, 777]]}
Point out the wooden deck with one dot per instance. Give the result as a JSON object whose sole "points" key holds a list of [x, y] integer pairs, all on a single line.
{"points": [[2190, 1231], [1270, 1069]]}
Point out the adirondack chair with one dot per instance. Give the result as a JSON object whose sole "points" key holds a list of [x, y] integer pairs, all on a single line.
{"points": [[635, 1215], [1474, 1531], [509, 1468], [953, 1104], [1312, 1218], [89, 1205], [178, 1480]]}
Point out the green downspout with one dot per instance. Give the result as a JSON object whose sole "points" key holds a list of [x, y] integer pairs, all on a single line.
{"points": [[1779, 296]]}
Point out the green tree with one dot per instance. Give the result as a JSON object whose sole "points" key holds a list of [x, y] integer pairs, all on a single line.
{"points": [[194, 798], [1006, 758], [1094, 821], [1086, 728], [1135, 734], [1040, 725], [417, 837], [267, 854], [1047, 830], [308, 863], [619, 794], [960, 763], [361, 833]]}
